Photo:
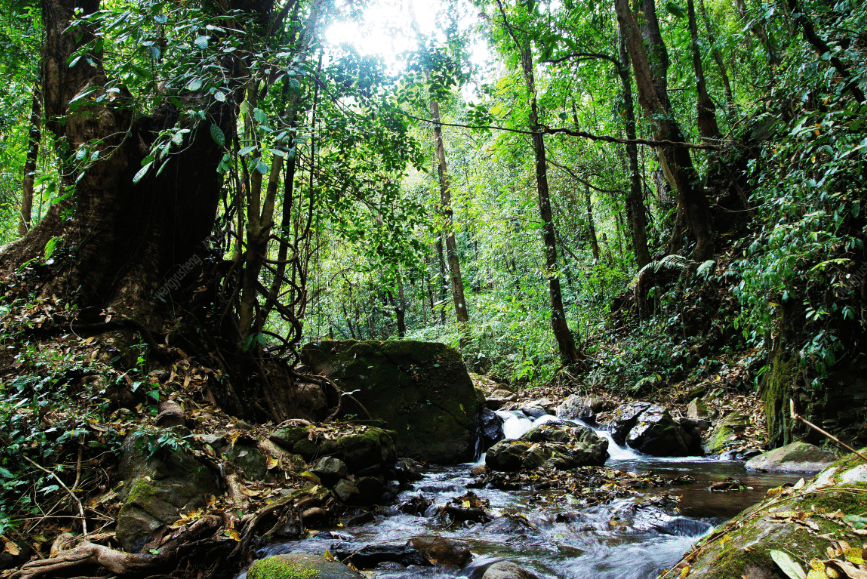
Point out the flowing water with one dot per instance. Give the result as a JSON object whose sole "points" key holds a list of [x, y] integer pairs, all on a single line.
{"points": [[625, 539]]}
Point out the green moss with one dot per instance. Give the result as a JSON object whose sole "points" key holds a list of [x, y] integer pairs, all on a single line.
{"points": [[277, 568], [850, 502], [732, 562], [774, 396], [850, 461]]}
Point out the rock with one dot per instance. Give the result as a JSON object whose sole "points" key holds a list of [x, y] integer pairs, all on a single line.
{"points": [[568, 445], [657, 434], [416, 506], [372, 446], [623, 419], [511, 525], [329, 469], [726, 433], [15, 553], [158, 489], [795, 457], [490, 427], [249, 459], [370, 489], [479, 470], [442, 551], [358, 520], [171, 414], [346, 492], [370, 556], [698, 410], [507, 570], [286, 460], [422, 391], [783, 522], [407, 470], [300, 566], [576, 408], [468, 507], [533, 411], [500, 398]]}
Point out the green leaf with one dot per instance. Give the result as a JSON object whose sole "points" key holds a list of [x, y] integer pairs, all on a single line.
{"points": [[141, 173], [217, 135], [194, 84], [220, 96], [155, 394], [262, 167], [202, 42], [675, 10], [247, 150], [260, 115], [787, 565], [49, 247]]}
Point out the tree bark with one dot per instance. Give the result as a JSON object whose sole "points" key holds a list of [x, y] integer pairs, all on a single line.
{"points": [[706, 110], [634, 198], [443, 279], [676, 161], [33, 138], [457, 282], [717, 56]]}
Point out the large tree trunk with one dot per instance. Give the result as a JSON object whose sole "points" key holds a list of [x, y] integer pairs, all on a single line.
{"points": [[707, 124], [634, 199], [457, 281], [565, 342], [123, 238], [676, 161], [717, 56], [33, 138]]}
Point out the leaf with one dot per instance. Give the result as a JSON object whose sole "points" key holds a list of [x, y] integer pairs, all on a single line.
{"points": [[220, 96], [247, 150], [262, 167], [675, 10], [787, 565], [233, 534], [271, 463], [141, 173], [194, 84], [202, 42], [217, 135]]}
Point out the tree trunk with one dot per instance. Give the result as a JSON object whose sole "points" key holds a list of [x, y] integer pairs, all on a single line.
{"points": [[634, 199], [443, 278], [676, 161], [707, 124], [717, 56], [457, 282], [591, 227], [565, 342], [33, 139]]}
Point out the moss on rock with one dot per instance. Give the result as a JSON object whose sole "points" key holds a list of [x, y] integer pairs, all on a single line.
{"points": [[300, 566]]}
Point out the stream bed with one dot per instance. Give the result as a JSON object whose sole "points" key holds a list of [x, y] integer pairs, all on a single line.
{"points": [[630, 538]]}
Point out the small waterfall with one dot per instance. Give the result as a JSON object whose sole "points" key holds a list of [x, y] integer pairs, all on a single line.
{"points": [[516, 423]]}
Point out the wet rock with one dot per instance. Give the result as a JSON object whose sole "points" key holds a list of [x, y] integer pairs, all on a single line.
{"points": [[407, 470], [698, 410], [300, 565], [726, 433], [787, 521], [507, 456], [158, 488], [478, 470], [442, 551], [490, 428], [570, 445], [500, 398], [576, 408], [358, 520], [370, 556], [469, 507], [329, 469], [346, 492], [507, 570], [370, 489], [657, 434], [421, 389], [416, 506], [533, 411], [583, 444], [360, 449], [795, 457], [623, 419], [511, 525]]}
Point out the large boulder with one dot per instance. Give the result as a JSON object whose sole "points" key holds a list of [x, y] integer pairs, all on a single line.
{"points": [[507, 570], [727, 433], [795, 457], [441, 550], [576, 408], [656, 433], [623, 419], [800, 525], [162, 482], [490, 427], [300, 566], [420, 389], [698, 410], [561, 446], [367, 447]]}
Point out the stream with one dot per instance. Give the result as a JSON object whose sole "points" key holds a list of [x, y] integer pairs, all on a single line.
{"points": [[624, 539]]}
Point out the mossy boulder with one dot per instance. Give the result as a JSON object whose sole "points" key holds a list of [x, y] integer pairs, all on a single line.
{"points": [[560, 446], [801, 521], [249, 459], [300, 566], [623, 419], [795, 457], [158, 488], [365, 447], [726, 433], [657, 434], [420, 389]]}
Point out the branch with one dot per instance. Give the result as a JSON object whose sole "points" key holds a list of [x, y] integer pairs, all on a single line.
{"points": [[66, 488], [572, 133], [585, 55], [582, 181], [799, 418]]}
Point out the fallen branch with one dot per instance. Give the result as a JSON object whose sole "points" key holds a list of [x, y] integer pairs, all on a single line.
{"points": [[66, 488], [799, 418]]}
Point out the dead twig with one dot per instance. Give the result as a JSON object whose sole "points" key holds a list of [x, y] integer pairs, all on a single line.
{"points": [[799, 418], [66, 488]]}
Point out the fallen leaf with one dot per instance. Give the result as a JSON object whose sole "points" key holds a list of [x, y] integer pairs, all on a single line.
{"points": [[787, 565]]}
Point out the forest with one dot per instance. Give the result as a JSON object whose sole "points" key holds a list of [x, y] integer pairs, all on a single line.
{"points": [[479, 288]]}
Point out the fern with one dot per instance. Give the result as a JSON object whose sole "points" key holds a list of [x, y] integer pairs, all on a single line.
{"points": [[706, 269]]}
